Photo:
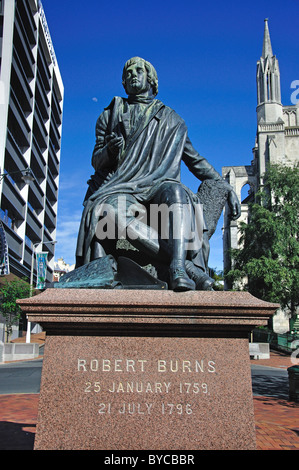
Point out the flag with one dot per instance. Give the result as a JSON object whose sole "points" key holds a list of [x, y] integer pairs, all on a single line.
{"points": [[41, 269]]}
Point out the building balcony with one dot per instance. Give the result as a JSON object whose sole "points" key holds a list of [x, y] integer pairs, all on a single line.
{"points": [[42, 99], [47, 236], [54, 134], [17, 122], [28, 22], [36, 196], [14, 242], [39, 130], [50, 217], [51, 190], [27, 259], [20, 83], [53, 161], [43, 69], [50, 248], [37, 164], [23, 49], [12, 200], [14, 159], [56, 110], [33, 224]]}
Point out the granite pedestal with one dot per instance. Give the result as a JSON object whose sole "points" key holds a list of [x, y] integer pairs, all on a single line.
{"points": [[144, 370]]}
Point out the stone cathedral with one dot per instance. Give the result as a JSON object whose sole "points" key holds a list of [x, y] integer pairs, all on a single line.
{"points": [[277, 141]]}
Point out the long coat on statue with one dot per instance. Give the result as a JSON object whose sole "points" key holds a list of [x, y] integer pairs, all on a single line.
{"points": [[155, 143]]}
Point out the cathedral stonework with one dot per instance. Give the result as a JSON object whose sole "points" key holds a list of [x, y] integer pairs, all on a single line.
{"points": [[276, 142]]}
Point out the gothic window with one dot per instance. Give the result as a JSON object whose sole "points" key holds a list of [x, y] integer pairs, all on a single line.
{"points": [[268, 86], [292, 118], [246, 193]]}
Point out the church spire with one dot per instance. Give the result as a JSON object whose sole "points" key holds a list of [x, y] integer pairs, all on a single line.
{"points": [[268, 82], [267, 48]]}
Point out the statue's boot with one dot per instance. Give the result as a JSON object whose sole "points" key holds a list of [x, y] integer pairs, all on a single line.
{"points": [[179, 279], [201, 279]]}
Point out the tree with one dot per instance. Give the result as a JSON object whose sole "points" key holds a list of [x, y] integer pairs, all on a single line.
{"points": [[10, 310], [218, 277], [268, 256]]}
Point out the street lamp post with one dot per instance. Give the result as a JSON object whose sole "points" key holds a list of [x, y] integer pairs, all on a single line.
{"points": [[27, 175], [34, 245]]}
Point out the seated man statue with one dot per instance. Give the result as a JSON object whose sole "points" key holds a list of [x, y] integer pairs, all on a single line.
{"points": [[140, 143]]}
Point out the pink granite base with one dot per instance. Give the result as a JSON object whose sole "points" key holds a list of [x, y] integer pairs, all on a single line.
{"points": [[124, 373], [145, 393]]}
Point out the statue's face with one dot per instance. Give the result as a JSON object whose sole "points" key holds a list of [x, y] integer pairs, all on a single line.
{"points": [[136, 79]]}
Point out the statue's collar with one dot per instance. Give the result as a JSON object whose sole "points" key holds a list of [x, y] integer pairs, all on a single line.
{"points": [[144, 98]]}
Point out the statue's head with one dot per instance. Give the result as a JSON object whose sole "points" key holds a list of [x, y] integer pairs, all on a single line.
{"points": [[147, 76]]}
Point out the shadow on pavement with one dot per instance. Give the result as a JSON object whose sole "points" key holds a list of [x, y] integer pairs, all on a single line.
{"points": [[274, 387], [16, 436]]}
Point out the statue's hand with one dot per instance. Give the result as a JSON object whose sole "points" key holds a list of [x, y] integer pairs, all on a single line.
{"points": [[234, 205], [114, 143]]}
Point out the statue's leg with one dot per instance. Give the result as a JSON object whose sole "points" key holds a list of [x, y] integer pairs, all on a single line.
{"points": [[179, 222], [205, 249], [122, 214], [182, 235], [147, 239], [97, 250]]}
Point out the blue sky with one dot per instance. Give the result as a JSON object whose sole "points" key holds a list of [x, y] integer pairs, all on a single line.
{"points": [[205, 54]]}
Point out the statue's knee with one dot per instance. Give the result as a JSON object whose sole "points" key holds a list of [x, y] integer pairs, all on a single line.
{"points": [[174, 193]]}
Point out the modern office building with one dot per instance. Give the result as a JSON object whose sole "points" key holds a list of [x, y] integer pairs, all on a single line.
{"points": [[31, 104]]}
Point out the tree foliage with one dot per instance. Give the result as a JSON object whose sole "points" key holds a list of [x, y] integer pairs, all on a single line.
{"points": [[10, 310], [218, 277], [268, 256]]}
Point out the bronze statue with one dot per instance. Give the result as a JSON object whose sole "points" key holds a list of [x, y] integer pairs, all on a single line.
{"points": [[140, 143]]}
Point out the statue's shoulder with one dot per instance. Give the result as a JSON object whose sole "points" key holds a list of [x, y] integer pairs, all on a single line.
{"points": [[170, 112], [116, 101], [113, 108]]}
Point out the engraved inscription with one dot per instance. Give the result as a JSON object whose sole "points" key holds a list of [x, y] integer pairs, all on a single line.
{"points": [[145, 408], [116, 365], [139, 387], [141, 365], [135, 372]]}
